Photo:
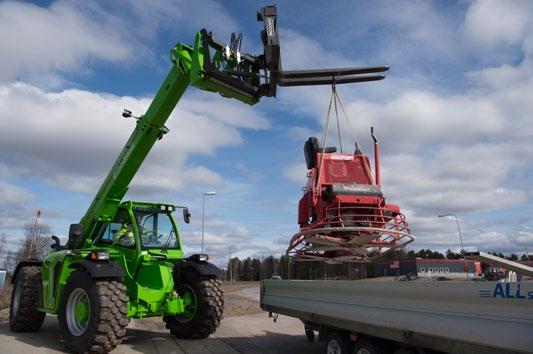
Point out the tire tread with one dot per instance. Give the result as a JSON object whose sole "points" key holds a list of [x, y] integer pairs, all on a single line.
{"points": [[211, 295], [109, 327], [113, 311], [28, 318]]}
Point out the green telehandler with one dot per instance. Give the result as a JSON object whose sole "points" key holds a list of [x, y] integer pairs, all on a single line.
{"points": [[124, 259]]}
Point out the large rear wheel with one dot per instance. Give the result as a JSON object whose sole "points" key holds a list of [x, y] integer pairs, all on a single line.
{"points": [[372, 346], [93, 313], [204, 305], [337, 343], [25, 299]]}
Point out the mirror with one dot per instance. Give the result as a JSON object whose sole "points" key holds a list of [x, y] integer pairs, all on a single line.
{"points": [[75, 234], [56, 245], [186, 215]]}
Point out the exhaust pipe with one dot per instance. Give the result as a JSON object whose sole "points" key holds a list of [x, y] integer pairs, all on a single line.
{"points": [[376, 158]]}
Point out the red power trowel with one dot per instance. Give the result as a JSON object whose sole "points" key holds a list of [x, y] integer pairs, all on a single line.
{"points": [[343, 215]]}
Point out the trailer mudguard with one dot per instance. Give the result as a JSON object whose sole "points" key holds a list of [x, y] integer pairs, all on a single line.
{"points": [[99, 269], [26, 263], [202, 268]]}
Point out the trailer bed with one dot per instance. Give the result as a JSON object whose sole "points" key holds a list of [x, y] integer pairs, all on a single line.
{"points": [[448, 316]]}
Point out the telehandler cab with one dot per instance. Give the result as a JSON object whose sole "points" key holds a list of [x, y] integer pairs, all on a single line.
{"points": [[125, 259]]}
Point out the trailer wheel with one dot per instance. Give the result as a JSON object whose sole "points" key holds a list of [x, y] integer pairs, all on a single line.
{"points": [[25, 299], [93, 313], [204, 305], [336, 343], [374, 346], [310, 334]]}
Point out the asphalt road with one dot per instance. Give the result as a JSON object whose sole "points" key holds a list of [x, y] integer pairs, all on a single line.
{"points": [[241, 334]]}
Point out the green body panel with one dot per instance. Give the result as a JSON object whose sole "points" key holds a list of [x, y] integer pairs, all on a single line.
{"points": [[148, 272]]}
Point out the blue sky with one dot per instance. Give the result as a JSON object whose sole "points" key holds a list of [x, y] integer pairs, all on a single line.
{"points": [[454, 115]]}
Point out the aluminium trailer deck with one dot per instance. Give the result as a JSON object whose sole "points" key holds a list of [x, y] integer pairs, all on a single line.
{"points": [[448, 316]]}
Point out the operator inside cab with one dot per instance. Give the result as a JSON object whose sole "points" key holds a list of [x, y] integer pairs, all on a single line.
{"points": [[124, 235]]}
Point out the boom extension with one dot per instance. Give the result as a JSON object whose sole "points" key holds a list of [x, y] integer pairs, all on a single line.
{"points": [[259, 75], [211, 66]]}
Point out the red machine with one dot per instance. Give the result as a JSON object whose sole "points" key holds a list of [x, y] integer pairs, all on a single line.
{"points": [[343, 215]]}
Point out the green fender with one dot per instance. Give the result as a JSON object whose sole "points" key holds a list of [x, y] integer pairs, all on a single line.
{"points": [[99, 269]]}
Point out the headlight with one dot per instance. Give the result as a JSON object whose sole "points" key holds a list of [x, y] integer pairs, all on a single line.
{"points": [[199, 257], [98, 256]]}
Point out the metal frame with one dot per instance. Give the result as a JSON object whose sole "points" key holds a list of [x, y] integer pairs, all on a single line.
{"points": [[259, 75]]}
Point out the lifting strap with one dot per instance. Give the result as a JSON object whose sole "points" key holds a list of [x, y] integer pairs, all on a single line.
{"points": [[335, 102]]}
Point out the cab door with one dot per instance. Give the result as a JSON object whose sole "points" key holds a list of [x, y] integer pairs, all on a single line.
{"points": [[113, 236], [51, 271]]}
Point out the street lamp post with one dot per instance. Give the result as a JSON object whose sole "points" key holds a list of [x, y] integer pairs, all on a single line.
{"points": [[460, 239], [203, 216]]}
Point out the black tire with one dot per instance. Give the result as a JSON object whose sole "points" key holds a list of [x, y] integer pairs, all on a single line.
{"points": [[310, 335], [107, 314], [337, 343], [209, 308], [25, 299], [372, 346]]}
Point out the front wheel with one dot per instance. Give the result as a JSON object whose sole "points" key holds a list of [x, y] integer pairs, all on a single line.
{"points": [[93, 313], [203, 300]]}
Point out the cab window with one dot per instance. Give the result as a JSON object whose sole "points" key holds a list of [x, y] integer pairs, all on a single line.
{"points": [[120, 231], [156, 229]]}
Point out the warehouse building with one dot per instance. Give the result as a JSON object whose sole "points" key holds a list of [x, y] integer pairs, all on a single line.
{"points": [[449, 268]]}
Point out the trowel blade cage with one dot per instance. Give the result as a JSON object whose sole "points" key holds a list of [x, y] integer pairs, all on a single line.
{"points": [[351, 234]]}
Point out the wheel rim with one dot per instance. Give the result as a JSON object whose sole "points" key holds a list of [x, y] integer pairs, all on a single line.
{"points": [[333, 347], [16, 298], [189, 303], [78, 311]]}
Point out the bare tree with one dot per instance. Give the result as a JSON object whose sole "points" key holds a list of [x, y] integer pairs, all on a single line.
{"points": [[10, 261], [35, 245], [37, 240]]}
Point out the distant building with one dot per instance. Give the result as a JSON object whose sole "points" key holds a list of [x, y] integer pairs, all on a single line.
{"points": [[449, 268], [495, 273]]}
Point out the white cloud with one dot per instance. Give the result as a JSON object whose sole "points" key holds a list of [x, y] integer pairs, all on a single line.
{"points": [[61, 38], [525, 237], [12, 194], [493, 22], [15, 204], [296, 173], [70, 138], [45, 43], [301, 134], [416, 25]]}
